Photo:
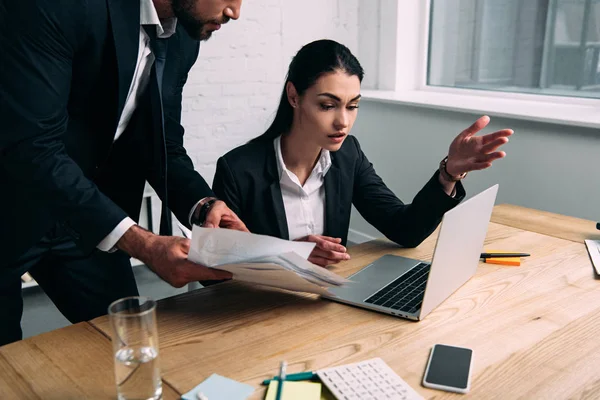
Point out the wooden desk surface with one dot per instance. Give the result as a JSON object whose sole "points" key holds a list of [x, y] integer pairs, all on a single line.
{"points": [[532, 329], [70, 363], [547, 223]]}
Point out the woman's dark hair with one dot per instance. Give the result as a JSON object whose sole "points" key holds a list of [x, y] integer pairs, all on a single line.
{"points": [[309, 64]]}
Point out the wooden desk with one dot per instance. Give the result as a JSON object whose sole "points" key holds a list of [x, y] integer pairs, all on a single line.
{"points": [[532, 328], [69, 363], [561, 226]]}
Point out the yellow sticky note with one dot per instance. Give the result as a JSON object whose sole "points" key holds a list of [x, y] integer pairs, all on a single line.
{"points": [[295, 391]]}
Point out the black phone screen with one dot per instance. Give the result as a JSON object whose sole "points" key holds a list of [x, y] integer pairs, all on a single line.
{"points": [[449, 366]]}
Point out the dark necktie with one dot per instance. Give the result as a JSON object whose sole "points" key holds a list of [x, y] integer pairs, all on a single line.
{"points": [[159, 50]]}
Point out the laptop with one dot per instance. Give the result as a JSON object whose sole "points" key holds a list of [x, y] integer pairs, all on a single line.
{"points": [[410, 288]]}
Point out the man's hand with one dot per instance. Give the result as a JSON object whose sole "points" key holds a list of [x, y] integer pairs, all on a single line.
{"points": [[167, 257], [221, 216], [328, 250]]}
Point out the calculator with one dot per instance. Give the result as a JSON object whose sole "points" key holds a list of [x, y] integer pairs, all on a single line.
{"points": [[367, 380]]}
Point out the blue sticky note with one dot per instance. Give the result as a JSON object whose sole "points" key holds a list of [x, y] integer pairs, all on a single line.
{"points": [[217, 387]]}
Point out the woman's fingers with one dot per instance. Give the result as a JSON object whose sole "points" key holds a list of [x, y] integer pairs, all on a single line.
{"points": [[482, 161], [490, 137], [330, 255], [331, 239], [328, 250], [331, 246], [320, 261], [493, 145], [480, 166], [490, 157], [476, 127]]}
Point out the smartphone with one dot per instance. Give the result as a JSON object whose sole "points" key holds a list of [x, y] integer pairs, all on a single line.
{"points": [[449, 369]]}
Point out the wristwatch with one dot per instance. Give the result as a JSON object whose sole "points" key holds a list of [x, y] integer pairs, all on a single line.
{"points": [[200, 215], [446, 175]]}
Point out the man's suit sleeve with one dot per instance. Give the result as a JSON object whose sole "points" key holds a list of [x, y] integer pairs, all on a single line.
{"points": [[226, 188], [38, 40], [406, 224], [185, 186]]}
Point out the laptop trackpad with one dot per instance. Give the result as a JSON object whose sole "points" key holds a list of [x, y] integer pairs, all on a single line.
{"points": [[374, 277]]}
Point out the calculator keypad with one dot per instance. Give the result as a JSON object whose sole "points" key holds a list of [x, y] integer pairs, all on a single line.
{"points": [[367, 380]]}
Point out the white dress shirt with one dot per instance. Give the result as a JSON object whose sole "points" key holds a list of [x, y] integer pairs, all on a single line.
{"points": [[304, 205], [141, 77]]}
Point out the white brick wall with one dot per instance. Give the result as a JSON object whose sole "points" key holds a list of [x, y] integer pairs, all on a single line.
{"points": [[234, 88]]}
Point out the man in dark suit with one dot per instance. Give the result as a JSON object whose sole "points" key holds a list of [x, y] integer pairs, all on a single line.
{"points": [[90, 104]]}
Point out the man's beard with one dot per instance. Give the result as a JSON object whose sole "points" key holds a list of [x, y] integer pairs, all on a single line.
{"points": [[192, 25]]}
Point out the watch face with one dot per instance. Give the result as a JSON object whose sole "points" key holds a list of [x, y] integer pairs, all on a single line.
{"points": [[204, 211]]}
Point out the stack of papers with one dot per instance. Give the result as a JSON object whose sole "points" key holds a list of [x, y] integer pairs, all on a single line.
{"points": [[260, 259]]}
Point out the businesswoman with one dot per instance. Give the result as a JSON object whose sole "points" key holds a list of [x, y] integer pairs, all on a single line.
{"points": [[299, 179]]}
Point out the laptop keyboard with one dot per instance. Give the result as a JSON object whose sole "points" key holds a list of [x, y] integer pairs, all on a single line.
{"points": [[405, 293]]}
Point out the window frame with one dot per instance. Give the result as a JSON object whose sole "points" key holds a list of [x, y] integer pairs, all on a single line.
{"points": [[402, 72]]}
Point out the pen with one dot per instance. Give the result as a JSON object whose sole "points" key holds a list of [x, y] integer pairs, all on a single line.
{"points": [[300, 376], [503, 255], [281, 379]]}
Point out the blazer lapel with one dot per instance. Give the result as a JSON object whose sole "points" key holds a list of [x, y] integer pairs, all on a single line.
{"points": [[279, 211], [332, 201], [125, 24], [278, 218]]}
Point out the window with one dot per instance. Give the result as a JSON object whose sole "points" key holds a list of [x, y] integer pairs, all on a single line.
{"points": [[548, 47], [536, 60]]}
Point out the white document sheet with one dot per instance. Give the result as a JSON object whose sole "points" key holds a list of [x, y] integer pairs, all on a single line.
{"points": [[212, 247], [261, 259]]}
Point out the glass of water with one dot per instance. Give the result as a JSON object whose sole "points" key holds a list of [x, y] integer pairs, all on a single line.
{"points": [[135, 344]]}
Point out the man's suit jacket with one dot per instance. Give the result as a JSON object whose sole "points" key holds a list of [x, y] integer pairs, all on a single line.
{"points": [[247, 179], [65, 71]]}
